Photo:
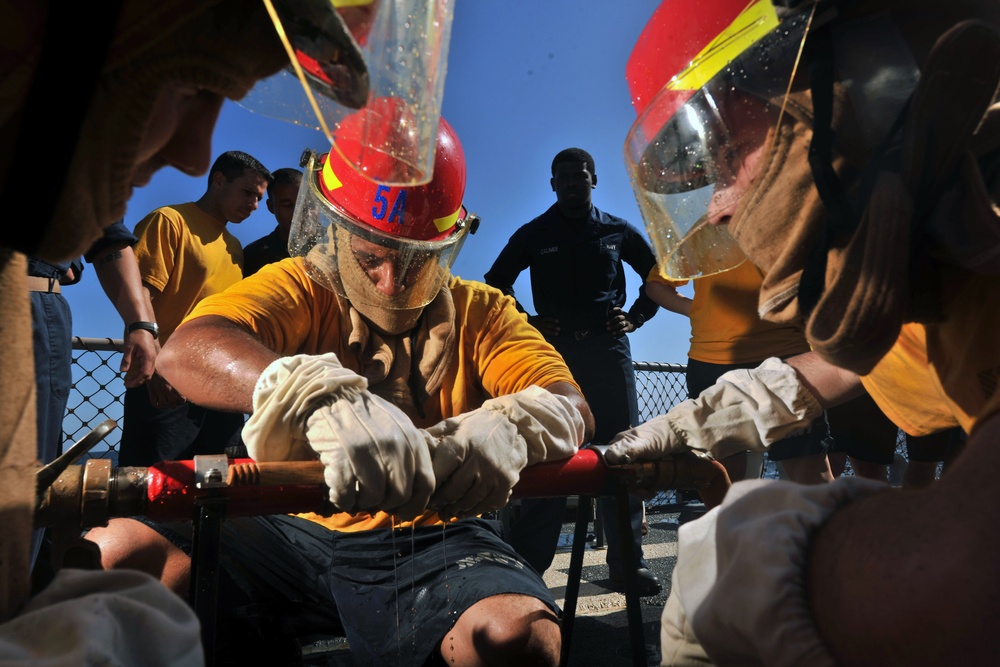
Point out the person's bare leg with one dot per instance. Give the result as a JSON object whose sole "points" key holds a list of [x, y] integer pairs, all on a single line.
{"points": [[869, 470], [504, 630], [812, 469], [130, 544]]}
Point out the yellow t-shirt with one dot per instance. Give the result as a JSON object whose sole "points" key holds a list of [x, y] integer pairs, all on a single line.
{"points": [[725, 327], [497, 351], [940, 375], [187, 255]]}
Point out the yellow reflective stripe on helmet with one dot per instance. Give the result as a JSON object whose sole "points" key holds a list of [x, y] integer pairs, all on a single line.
{"points": [[758, 19], [351, 3], [330, 180], [447, 222]]}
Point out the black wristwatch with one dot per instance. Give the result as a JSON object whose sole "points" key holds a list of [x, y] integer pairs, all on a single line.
{"points": [[151, 327]]}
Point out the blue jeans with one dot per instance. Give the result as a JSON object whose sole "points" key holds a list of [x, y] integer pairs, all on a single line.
{"points": [[52, 336]]}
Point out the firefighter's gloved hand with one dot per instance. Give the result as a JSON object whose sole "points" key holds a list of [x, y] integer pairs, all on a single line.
{"points": [[740, 599], [375, 457], [479, 455], [744, 409], [477, 459], [286, 393]]}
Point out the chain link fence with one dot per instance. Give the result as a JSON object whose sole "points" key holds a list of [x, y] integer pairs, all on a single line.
{"points": [[98, 391]]}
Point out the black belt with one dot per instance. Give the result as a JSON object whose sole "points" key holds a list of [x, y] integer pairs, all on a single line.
{"points": [[592, 332]]}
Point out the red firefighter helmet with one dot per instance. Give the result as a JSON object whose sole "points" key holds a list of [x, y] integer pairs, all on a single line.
{"points": [[424, 212], [387, 248]]}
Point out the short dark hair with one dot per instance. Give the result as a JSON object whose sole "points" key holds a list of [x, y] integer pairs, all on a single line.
{"points": [[284, 176], [232, 164], [574, 155]]}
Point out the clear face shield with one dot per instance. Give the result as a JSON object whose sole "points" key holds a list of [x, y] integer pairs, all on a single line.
{"points": [[344, 53], [372, 269], [692, 152]]}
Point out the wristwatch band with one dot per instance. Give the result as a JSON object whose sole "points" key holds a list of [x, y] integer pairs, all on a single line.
{"points": [[151, 327]]}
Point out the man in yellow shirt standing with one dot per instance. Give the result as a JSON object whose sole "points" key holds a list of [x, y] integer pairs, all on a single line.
{"points": [[186, 253]]}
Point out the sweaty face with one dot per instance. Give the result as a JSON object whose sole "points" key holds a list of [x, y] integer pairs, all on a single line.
{"points": [[572, 183], [238, 198], [390, 272]]}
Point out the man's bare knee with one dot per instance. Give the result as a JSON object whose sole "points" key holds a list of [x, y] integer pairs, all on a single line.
{"points": [[130, 544], [505, 630]]}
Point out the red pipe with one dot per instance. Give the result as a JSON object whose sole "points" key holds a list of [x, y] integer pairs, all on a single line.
{"points": [[171, 489], [171, 492], [90, 495]]}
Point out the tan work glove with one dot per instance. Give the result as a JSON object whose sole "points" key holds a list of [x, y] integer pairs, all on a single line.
{"points": [[740, 598], [374, 457], [744, 409], [479, 455]]}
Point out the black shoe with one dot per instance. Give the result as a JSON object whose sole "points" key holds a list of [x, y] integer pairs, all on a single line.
{"points": [[647, 583]]}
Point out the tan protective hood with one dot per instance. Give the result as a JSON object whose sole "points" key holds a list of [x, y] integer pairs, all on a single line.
{"points": [[934, 207]]}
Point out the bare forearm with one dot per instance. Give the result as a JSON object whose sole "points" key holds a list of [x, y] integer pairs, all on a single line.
{"points": [[214, 363], [829, 384], [668, 297], [119, 275]]}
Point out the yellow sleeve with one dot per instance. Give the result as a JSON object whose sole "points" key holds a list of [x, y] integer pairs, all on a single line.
{"points": [[904, 388], [498, 353], [159, 236]]}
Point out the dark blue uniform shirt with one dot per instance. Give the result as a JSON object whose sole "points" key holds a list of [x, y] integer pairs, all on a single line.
{"points": [[265, 250], [577, 272]]}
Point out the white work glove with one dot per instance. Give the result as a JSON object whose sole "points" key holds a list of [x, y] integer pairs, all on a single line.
{"points": [[744, 409], [738, 592], [479, 455], [374, 457], [114, 617]]}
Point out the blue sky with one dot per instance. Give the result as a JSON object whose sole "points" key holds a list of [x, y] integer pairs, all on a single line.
{"points": [[525, 80]]}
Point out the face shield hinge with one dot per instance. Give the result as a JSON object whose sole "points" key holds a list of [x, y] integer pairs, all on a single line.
{"points": [[307, 155], [472, 222]]}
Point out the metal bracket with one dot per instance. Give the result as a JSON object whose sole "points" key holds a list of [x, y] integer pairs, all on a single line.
{"points": [[211, 471]]}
